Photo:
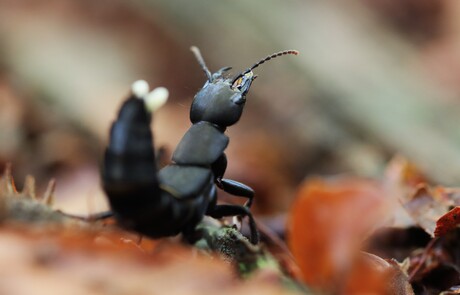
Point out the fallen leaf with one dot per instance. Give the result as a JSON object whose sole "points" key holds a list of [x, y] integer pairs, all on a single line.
{"points": [[401, 172], [49, 260], [425, 207], [328, 222], [401, 177], [373, 275], [447, 222], [421, 203]]}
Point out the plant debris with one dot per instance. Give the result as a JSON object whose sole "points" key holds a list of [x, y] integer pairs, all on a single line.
{"points": [[90, 255]]}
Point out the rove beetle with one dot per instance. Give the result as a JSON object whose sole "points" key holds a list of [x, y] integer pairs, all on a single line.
{"points": [[175, 199]]}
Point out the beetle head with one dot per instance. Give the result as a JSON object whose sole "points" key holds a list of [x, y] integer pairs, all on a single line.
{"points": [[221, 100]]}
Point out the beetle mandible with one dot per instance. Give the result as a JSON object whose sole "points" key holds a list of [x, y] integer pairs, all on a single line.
{"points": [[174, 199]]}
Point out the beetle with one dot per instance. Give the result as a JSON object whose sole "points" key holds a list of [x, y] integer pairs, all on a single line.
{"points": [[174, 199]]}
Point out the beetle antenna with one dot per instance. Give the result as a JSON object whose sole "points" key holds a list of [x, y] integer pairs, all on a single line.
{"points": [[284, 52], [200, 60]]}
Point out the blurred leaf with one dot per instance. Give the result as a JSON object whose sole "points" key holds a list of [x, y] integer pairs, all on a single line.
{"points": [[425, 207], [373, 275], [402, 172], [328, 223], [420, 202]]}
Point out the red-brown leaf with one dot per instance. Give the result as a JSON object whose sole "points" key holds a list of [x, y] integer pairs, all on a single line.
{"points": [[447, 222], [328, 223]]}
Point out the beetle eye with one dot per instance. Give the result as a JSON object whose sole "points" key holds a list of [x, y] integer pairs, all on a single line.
{"points": [[243, 82]]}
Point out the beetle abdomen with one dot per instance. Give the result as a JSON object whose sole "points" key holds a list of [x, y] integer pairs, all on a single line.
{"points": [[129, 173], [166, 214], [130, 157]]}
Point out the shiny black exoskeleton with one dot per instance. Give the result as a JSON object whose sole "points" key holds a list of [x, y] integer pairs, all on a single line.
{"points": [[175, 198]]}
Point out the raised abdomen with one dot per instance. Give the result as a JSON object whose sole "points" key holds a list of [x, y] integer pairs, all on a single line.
{"points": [[129, 173]]}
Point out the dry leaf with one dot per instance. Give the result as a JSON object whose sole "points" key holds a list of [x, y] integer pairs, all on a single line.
{"points": [[447, 222], [328, 223], [373, 275], [75, 261], [425, 207], [423, 204], [401, 172]]}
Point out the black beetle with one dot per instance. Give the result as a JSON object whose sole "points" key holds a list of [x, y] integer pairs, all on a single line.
{"points": [[175, 199]]}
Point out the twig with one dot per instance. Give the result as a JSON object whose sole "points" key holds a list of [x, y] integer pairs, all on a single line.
{"points": [[422, 258]]}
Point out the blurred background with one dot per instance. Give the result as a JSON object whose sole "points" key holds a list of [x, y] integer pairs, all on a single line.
{"points": [[374, 79]]}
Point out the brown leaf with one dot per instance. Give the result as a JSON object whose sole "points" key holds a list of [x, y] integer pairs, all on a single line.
{"points": [[373, 275], [425, 207], [447, 222], [328, 223], [423, 204], [401, 172], [47, 260]]}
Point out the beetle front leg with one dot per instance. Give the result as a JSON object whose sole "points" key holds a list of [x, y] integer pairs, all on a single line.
{"points": [[231, 186], [219, 166], [237, 189]]}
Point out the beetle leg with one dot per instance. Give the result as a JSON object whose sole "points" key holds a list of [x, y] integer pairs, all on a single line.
{"points": [[220, 211], [219, 166], [237, 189], [231, 186]]}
